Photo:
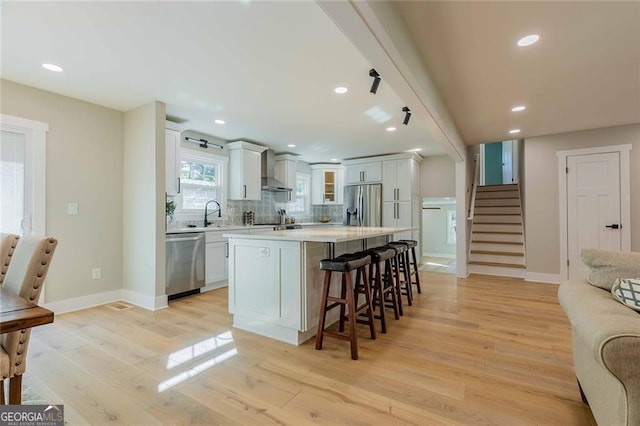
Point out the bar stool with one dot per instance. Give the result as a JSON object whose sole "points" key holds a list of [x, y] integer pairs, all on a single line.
{"points": [[349, 295], [401, 265], [384, 289], [413, 262]]}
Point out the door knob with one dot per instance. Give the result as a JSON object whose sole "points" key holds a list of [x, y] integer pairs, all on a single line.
{"points": [[613, 226]]}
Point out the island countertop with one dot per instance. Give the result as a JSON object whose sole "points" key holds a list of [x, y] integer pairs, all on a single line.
{"points": [[333, 234]]}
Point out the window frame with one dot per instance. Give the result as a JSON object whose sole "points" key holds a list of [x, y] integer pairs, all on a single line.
{"points": [[203, 158], [306, 177]]}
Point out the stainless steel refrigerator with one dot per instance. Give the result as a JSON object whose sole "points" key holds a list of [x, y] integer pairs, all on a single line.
{"points": [[363, 205]]}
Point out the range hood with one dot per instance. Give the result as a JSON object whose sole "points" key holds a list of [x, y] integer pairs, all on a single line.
{"points": [[269, 182]]}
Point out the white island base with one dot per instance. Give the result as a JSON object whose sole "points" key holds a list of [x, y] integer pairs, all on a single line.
{"points": [[275, 281]]}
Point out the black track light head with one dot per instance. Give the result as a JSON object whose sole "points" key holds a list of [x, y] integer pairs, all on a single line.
{"points": [[407, 115], [376, 80]]}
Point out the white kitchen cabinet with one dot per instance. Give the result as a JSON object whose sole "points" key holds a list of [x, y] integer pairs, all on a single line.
{"points": [[363, 172], [327, 184], [172, 162], [398, 177], [399, 214], [217, 258], [244, 171], [276, 266], [285, 171]]}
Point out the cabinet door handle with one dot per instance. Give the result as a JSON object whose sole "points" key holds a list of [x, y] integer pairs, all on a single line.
{"points": [[245, 191], [227, 249], [178, 185]]}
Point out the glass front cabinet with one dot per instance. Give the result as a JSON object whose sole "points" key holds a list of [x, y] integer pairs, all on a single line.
{"points": [[327, 182]]}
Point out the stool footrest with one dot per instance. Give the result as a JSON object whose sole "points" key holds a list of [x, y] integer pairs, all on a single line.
{"points": [[337, 335]]}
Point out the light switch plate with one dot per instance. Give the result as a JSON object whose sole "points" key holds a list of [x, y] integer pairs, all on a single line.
{"points": [[72, 208]]}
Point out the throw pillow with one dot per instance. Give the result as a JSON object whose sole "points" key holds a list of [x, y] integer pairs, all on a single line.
{"points": [[607, 266], [627, 291]]}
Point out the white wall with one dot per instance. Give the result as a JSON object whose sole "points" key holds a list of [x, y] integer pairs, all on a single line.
{"points": [[143, 207], [541, 195], [84, 165], [434, 230], [437, 177]]}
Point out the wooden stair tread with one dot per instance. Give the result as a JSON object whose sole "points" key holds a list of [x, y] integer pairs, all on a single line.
{"points": [[497, 253], [515, 243], [498, 206], [499, 232], [497, 198], [502, 265]]}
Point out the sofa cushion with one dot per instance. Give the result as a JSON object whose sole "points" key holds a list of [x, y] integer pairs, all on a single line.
{"points": [[627, 291], [607, 266]]}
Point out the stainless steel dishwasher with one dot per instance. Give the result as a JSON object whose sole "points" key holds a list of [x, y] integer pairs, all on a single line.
{"points": [[185, 263]]}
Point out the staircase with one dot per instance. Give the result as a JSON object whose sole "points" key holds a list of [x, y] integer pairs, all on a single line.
{"points": [[497, 232]]}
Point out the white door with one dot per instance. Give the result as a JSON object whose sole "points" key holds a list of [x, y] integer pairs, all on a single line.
{"points": [[593, 206], [22, 175]]}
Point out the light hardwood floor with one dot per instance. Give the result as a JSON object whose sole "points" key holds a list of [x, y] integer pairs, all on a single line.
{"points": [[478, 351]]}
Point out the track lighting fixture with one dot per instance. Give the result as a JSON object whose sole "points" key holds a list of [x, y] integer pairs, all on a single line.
{"points": [[376, 80], [407, 115], [203, 142]]}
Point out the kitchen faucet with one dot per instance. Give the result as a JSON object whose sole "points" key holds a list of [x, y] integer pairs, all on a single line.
{"points": [[206, 213]]}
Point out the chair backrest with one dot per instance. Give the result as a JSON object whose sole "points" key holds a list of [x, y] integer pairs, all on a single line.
{"points": [[7, 247], [25, 277]]}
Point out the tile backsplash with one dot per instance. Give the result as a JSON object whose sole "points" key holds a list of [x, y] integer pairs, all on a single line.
{"points": [[266, 212]]}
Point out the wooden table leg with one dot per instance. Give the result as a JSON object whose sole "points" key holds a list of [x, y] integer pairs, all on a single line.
{"points": [[15, 390]]}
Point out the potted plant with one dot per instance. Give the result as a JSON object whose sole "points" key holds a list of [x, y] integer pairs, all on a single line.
{"points": [[170, 209]]}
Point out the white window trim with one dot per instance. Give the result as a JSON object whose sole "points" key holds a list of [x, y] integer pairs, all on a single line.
{"points": [[625, 197], [307, 204], [198, 214]]}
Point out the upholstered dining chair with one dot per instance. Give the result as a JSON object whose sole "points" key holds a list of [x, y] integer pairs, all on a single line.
{"points": [[25, 277], [8, 243]]}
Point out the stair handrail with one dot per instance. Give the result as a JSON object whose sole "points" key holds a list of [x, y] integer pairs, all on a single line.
{"points": [[474, 187]]}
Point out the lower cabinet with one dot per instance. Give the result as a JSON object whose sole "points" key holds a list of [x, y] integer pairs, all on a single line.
{"points": [[264, 283], [217, 256]]}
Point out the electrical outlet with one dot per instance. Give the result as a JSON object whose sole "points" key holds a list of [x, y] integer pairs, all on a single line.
{"points": [[72, 208], [96, 273]]}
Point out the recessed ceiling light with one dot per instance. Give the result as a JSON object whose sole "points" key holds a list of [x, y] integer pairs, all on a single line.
{"points": [[340, 90], [218, 121], [334, 159], [391, 129], [518, 108], [447, 198], [528, 40], [52, 67], [415, 150], [291, 145], [512, 131]]}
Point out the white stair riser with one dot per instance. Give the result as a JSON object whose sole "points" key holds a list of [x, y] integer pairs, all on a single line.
{"points": [[513, 260], [498, 218], [496, 194], [488, 210], [487, 203], [510, 187], [505, 227], [499, 237], [511, 248], [496, 270]]}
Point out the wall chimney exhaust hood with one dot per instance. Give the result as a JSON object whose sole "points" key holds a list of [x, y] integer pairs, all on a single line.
{"points": [[269, 182]]}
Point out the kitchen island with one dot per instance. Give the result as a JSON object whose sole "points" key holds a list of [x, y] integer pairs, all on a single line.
{"points": [[275, 281]]}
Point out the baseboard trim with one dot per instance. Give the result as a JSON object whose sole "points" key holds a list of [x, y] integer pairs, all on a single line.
{"points": [[84, 302], [147, 302], [539, 277]]}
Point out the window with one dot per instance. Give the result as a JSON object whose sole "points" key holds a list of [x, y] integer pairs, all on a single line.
{"points": [[201, 180], [300, 199], [451, 227]]}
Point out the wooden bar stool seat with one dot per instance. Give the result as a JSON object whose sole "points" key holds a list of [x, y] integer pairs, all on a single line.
{"points": [[382, 283], [413, 262], [348, 300]]}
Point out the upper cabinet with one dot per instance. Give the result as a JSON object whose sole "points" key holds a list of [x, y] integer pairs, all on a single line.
{"points": [[327, 183], [362, 171], [244, 170], [400, 179], [285, 172], [172, 162]]}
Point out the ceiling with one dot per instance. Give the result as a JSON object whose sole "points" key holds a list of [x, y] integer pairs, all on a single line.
{"points": [[584, 72], [269, 68]]}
